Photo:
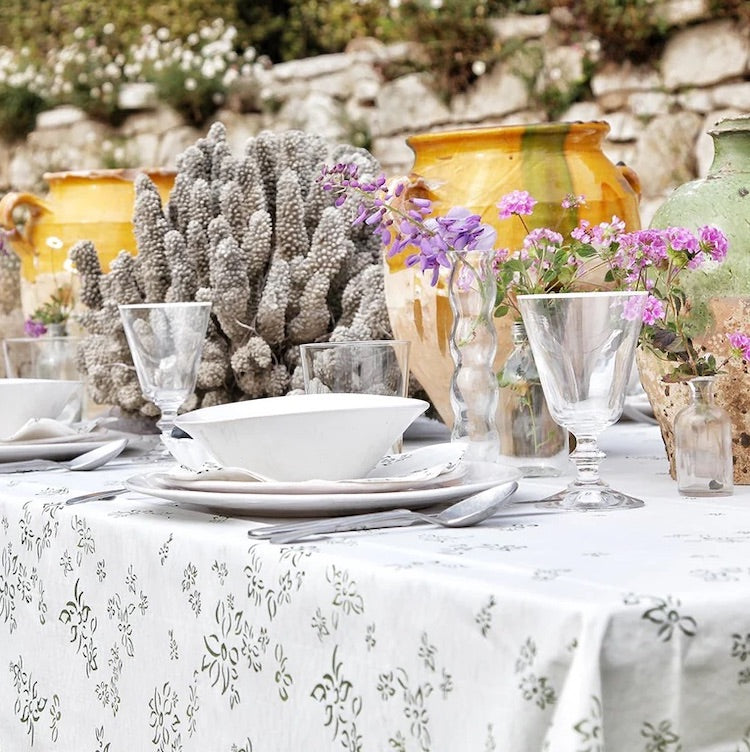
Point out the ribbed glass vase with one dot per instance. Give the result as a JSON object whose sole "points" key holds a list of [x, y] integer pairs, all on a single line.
{"points": [[473, 343]]}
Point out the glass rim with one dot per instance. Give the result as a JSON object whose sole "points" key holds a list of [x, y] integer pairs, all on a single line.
{"points": [[592, 293], [185, 304], [357, 342], [43, 338]]}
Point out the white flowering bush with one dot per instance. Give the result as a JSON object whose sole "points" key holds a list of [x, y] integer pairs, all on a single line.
{"points": [[193, 75], [24, 87]]}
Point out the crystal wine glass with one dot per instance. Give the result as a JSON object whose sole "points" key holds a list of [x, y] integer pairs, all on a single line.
{"points": [[166, 341], [583, 345]]}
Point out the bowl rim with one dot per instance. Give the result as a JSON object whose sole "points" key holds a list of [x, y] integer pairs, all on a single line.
{"points": [[298, 404], [16, 380]]}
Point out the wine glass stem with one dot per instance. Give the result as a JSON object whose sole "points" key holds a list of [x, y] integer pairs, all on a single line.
{"points": [[587, 457], [166, 423]]}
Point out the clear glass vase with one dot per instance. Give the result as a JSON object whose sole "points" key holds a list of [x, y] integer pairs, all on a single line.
{"points": [[530, 439], [473, 343], [703, 444]]}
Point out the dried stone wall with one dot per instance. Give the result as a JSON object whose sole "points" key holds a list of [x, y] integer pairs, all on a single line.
{"points": [[659, 113]]}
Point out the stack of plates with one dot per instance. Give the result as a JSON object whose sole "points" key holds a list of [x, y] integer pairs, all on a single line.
{"points": [[429, 475]]}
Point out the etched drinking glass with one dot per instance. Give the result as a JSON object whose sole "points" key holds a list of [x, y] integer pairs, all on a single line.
{"points": [[583, 345], [166, 342], [359, 366]]}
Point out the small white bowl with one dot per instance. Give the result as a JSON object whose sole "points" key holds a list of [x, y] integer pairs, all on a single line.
{"points": [[305, 436], [21, 400]]}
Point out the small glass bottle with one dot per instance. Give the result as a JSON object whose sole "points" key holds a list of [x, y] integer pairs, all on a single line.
{"points": [[703, 444], [529, 437]]}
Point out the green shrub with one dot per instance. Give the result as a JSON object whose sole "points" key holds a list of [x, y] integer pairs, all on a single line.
{"points": [[293, 29], [19, 107], [49, 24]]}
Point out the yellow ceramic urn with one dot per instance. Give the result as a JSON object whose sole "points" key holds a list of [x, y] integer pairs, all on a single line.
{"points": [[92, 205], [473, 169]]}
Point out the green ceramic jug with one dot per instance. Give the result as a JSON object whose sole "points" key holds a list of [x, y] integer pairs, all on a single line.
{"points": [[722, 198], [720, 300]]}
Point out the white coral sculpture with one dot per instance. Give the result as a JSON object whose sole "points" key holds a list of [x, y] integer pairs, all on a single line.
{"points": [[258, 237]]}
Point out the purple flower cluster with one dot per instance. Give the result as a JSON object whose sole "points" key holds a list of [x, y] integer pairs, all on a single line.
{"points": [[650, 260], [402, 222], [519, 203], [740, 345], [34, 328]]}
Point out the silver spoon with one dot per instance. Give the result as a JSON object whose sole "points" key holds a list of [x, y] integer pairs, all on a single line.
{"points": [[468, 511], [87, 461]]}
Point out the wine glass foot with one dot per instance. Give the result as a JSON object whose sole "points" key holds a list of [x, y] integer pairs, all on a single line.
{"points": [[595, 498]]}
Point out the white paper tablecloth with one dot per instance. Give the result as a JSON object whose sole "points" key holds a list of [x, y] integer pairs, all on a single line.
{"points": [[138, 625]]}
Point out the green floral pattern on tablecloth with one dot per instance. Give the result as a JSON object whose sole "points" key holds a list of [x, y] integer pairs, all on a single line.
{"points": [[135, 624]]}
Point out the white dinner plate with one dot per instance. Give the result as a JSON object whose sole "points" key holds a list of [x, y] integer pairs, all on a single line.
{"points": [[478, 477], [56, 450], [176, 481]]}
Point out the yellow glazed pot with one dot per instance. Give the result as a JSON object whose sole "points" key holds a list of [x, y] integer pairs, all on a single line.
{"points": [[474, 169], [92, 205]]}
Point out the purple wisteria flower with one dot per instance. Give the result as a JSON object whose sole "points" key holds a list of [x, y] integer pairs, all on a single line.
{"points": [[405, 223]]}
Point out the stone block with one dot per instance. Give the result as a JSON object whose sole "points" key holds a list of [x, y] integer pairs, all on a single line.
{"points": [[24, 172], [145, 149], [159, 120], [616, 77], [137, 96], [497, 93], [733, 96], [343, 85], [683, 12], [409, 104], [646, 104], [613, 100], [619, 152], [705, 54], [240, 127], [649, 206], [520, 26], [393, 153], [317, 113], [583, 112], [664, 156], [696, 100], [623, 127], [59, 117], [312, 67], [173, 143]]}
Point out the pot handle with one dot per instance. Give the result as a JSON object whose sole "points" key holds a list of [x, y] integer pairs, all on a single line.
{"points": [[21, 237], [631, 177]]}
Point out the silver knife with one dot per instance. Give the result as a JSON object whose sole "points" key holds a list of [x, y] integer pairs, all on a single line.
{"points": [[108, 493]]}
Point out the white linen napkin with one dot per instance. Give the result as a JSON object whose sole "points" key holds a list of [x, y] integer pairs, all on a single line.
{"points": [[51, 431], [416, 466]]}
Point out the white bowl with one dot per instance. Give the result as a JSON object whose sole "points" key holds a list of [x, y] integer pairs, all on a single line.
{"points": [[304, 436], [21, 400]]}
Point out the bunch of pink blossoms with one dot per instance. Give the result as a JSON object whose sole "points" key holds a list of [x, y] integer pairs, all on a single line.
{"points": [[605, 254]]}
